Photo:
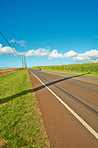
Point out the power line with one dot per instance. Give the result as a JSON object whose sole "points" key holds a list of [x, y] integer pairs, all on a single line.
{"points": [[19, 31], [25, 62], [17, 18], [10, 45], [22, 61], [6, 27], [13, 15], [6, 31]]}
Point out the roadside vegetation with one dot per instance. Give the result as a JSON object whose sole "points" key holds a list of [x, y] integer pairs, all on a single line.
{"points": [[11, 69], [8, 71], [20, 119], [90, 69]]}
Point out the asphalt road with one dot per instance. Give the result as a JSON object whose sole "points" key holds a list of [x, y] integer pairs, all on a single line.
{"points": [[82, 77], [69, 109]]}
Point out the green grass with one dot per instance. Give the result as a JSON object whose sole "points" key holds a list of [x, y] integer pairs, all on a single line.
{"points": [[75, 72], [89, 69], [20, 119]]}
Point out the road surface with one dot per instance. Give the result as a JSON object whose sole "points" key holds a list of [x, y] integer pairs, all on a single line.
{"points": [[69, 109]]}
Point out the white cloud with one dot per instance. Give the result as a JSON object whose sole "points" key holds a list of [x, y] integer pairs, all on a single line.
{"points": [[6, 50], [41, 52], [49, 58], [70, 54], [12, 41], [88, 56], [21, 42], [0, 45], [55, 54]]}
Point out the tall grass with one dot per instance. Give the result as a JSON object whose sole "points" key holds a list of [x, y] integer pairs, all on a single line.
{"points": [[85, 67]]}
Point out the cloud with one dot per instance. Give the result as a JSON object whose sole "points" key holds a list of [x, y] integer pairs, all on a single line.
{"points": [[41, 52], [88, 56], [49, 58], [6, 50], [21, 42], [55, 54], [70, 54]]}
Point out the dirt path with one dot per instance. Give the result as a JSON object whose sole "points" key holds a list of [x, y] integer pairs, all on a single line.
{"points": [[63, 129]]}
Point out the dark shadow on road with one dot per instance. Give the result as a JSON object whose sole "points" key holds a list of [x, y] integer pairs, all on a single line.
{"points": [[68, 94], [85, 74], [4, 100], [51, 83]]}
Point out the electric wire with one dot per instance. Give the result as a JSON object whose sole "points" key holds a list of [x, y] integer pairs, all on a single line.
{"points": [[19, 31], [5, 27], [17, 19], [14, 16], [10, 45]]}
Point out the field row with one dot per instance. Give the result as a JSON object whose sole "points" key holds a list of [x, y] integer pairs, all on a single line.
{"points": [[85, 67], [7, 71]]}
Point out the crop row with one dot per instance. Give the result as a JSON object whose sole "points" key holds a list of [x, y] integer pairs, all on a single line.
{"points": [[7, 70], [85, 67]]}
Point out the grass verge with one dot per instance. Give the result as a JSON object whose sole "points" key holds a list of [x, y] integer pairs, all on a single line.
{"points": [[20, 119], [74, 72], [89, 69]]}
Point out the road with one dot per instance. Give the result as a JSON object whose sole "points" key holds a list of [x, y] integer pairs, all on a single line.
{"points": [[82, 77], [69, 109]]}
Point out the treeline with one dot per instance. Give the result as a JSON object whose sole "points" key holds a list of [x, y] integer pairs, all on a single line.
{"points": [[85, 67]]}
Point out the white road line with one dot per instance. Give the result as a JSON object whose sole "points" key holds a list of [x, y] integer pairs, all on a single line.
{"points": [[90, 129]]}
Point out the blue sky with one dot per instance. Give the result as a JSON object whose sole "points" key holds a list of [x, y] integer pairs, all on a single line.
{"points": [[53, 32]]}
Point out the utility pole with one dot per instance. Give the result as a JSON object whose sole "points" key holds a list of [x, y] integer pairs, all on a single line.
{"points": [[22, 61], [25, 62]]}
